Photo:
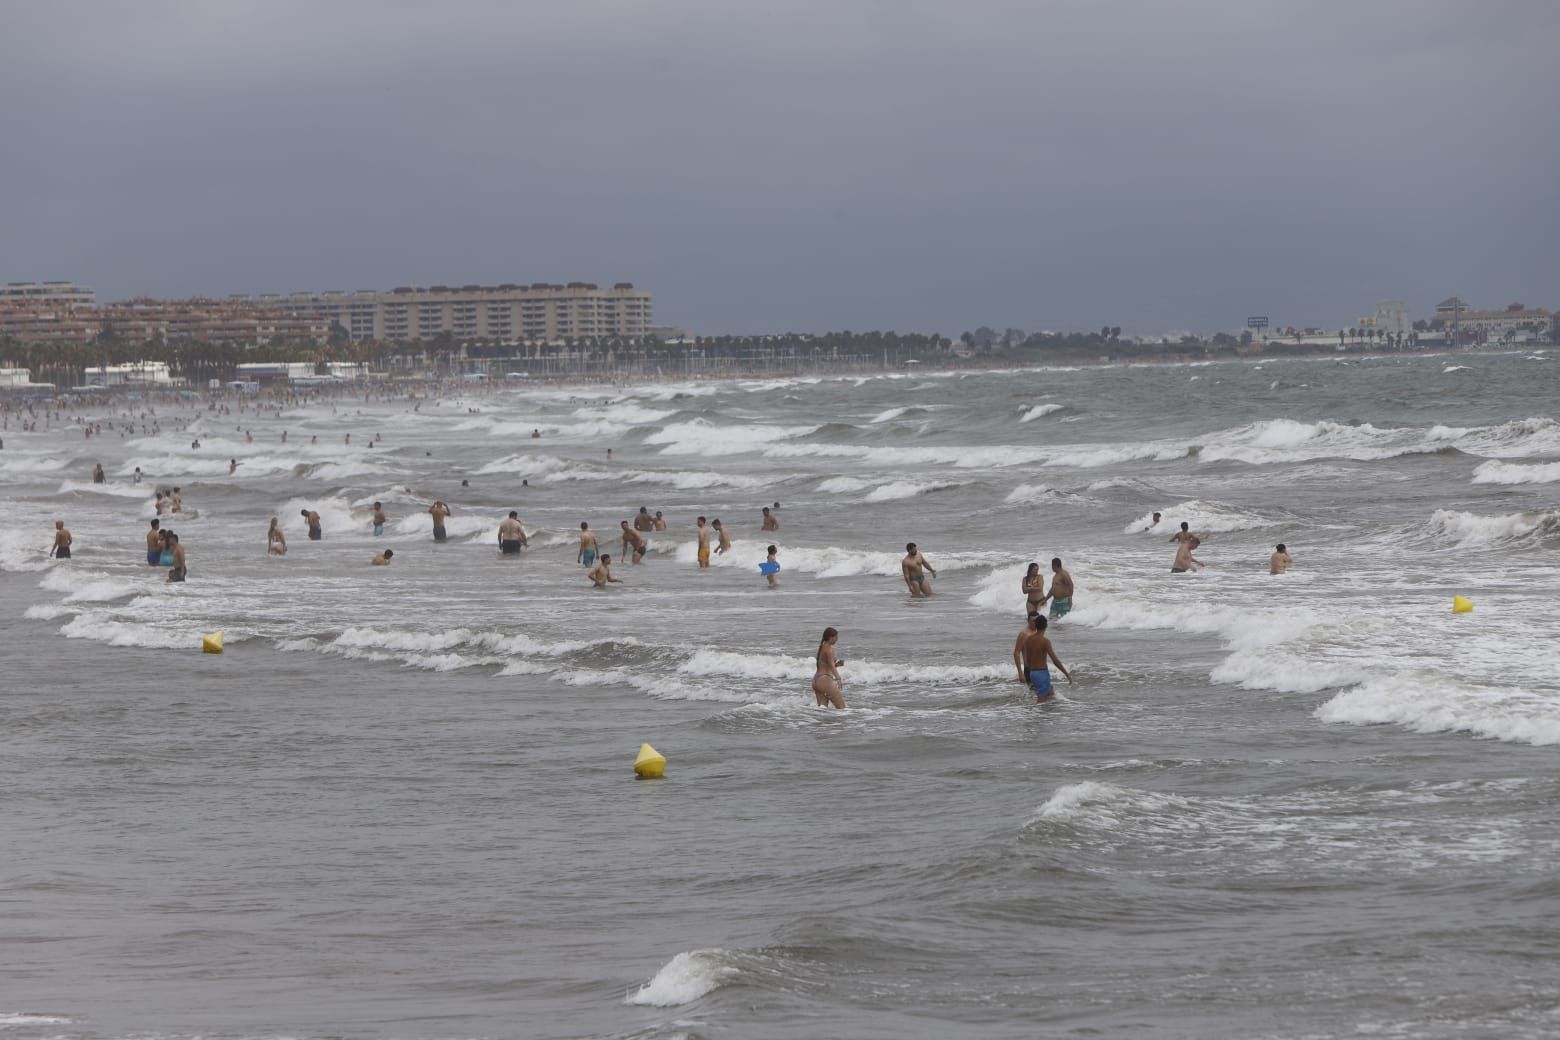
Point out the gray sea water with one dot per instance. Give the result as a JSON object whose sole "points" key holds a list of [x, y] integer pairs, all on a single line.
{"points": [[401, 804]]}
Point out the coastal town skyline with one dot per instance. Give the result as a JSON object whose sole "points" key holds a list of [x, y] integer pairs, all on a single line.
{"points": [[928, 167]]}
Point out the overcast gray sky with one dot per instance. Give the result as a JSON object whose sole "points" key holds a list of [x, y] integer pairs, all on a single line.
{"points": [[797, 165]]}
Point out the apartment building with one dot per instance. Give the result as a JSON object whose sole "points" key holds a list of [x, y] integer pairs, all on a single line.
{"points": [[1514, 318], [513, 313], [60, 294]]}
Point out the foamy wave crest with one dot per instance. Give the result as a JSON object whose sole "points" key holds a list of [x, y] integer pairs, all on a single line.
{"points": [[685, 978], [129, 633], [1472, 531], [336, 516], [1104, 805], [843, 485], [87, 487], [725, 663], [688, 480], [19, 463], [1426, 704], [902, 489], [1455, 368], [889, 416], [1520, 438], [1202, 516], [1272, 669], [1032, 494], [1039, 411], [624, 412], [9, 1019], [1513, 473], [525, 466], [87, 587], [24, 550], [698, 437]]}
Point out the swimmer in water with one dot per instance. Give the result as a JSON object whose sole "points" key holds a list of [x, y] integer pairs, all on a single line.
{"points": [[913, 568], [770, 568], [724, 545], [312, 518], [704, 544], [179, 571], [1184, 560], [826, 683], [383, 559], [660, 521], [60, 550], [154, 545], [586, 557], [439, 511], [1033, 587], [275, 541], [379, 518], [643, 521], [511, 536], [634, 545], [1037, 653], [1061, 593], [1279, 562], [771, 522], [601, 574]]}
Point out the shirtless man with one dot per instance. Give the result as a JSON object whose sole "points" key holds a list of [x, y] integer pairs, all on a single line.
{"points": [[1279, 562], [178, 500], [383, 559], [1061, 590], [1184, 560], [601, 574], [1184, 534], [725, 539], [439, 511], [379, 518], [154, 545], [643, 521], [232, 466], [634, 545], [660, 521], [771, 522], [511, 536], [704, 544], [1037, 652], [98, 476], [1018, 646], [312, 518], [1155, 521], [61, 547], [587, 554], [178, 573], [913, 568]]}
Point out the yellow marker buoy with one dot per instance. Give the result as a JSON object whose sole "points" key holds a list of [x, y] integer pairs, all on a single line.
{"points": [[211, 644], [650, 764], [1461, 606]]}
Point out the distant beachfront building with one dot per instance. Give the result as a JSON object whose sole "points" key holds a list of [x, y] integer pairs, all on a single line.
{"points": [[138, 373], [61, 312], [541, 311], [63, 294], [1392, 317], [1514, 318]]}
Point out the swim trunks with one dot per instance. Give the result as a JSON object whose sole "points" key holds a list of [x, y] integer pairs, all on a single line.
{"points": [[1040, 682], [438, 534], [704, 556], [1060, 607], [314, 533], [918, 578], [62, 553], [153, 557], [177, 574], [588, 558], [639, 550], [509, 547], [1177, 570], [379, 528]]}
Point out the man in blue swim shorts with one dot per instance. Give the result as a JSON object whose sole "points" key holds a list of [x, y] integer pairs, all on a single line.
{"points": [[1038, 653]]}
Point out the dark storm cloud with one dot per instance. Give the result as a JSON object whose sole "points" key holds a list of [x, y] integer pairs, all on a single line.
{"points": [[799, 165]]}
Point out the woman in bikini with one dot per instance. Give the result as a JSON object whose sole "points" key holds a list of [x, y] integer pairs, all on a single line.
{"points": [[826, 676], [275, 541], [1034, 589]]}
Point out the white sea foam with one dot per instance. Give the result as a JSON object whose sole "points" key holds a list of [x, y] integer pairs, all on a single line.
{"points": [[1039, 411], [700, 437], [685, 978], [1032, 494], [889, 416], [1493, 472], [9, 1019], [1428, 703], [116, 490], [1202, 516], [843, 485], [901, 489], [87, 586], [1473, 531]]}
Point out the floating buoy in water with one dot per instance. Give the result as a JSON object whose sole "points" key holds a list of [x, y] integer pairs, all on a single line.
{"points": [[1461, 606], [211, 644], [650, 764]]}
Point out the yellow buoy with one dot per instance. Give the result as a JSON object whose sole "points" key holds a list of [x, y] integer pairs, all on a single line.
{"points": [[650, 764], [211, 644], [1461, 606]]}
